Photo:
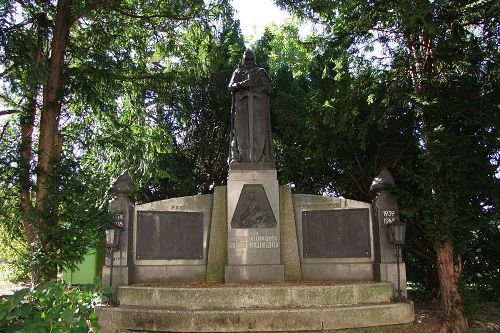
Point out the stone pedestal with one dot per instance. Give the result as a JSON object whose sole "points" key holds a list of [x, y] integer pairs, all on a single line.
{"points": [[254, 242], [386, 212], [118, 267], [388, 272]]}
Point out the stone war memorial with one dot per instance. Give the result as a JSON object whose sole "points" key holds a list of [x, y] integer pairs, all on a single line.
{"points": [[252, 256]]}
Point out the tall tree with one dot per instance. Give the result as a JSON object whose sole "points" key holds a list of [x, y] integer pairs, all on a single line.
{"points": [[171, 126], [51, 51], [446, 51]]}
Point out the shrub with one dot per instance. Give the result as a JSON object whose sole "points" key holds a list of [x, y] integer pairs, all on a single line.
{"points": [[51, 307]]}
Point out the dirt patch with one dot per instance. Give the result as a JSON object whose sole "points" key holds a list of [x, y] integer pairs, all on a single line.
{"points": [[428, 319], [7, 288]]}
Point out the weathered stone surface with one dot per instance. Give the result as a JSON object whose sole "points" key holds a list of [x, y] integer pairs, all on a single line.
{"points": [[338, 271], [217, 246], [289, 245], [124, 208], [351, 268], [254, 273], [169, 273], [123, 185], [253, 209], [121, 256], [122, 276], [386, 212], [265, 308], [252, 246], [388, 272], [113, 320], [238, 178], [259, 296], [198, 204], [383, 181]]}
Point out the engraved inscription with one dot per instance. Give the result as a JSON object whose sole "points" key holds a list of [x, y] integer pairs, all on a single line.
{"points": [[338, 233], [119, 219], [318, 206], [253, 209], [166, 235], [177, 207], [254, 242], [389, 216]]}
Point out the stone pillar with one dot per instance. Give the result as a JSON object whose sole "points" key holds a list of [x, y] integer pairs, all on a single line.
{"points": [[217, 245], [290, 257], [122, 209], [254, 245], [386, 212]]}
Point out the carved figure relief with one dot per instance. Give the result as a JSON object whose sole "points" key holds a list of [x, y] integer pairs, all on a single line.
{"points": [[253, 209]]}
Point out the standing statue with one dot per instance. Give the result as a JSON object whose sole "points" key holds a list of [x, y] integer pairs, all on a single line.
{"points": [[250, 117]]}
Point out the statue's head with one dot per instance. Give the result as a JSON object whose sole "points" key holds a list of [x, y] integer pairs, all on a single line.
{"points": [[249, 59]]}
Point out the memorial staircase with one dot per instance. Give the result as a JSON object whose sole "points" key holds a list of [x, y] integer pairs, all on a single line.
{"points": [[204, 307]]}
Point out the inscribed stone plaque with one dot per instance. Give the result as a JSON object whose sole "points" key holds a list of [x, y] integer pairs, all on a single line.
{"points": [[338, 233], [253, 209], [169, 235], [387, 209]]}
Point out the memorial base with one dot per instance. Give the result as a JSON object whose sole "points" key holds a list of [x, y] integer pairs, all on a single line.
{"points": [[389, 272], [285, 307], [254, 273], [254, 244]]}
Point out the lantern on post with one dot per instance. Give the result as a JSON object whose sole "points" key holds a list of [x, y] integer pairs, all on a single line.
{"points": [[113, 231], [397, 232]]}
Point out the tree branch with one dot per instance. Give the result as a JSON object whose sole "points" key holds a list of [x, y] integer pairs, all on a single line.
{"points": [[421, 254], [8, 99], [355, 180], [4, 129], [93, 6], [147, 17], [142, 77], [401, 153], [356, 157], [7, 112]]}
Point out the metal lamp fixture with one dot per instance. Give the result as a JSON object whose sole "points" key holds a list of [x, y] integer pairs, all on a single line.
{"points": [[397, 232], [113, 231]]}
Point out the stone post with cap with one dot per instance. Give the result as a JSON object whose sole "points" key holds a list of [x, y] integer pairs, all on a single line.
{"points": [[122, 209], [386, 211]]}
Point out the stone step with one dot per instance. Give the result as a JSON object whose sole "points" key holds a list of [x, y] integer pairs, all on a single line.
{"points": [[151, 319], [255, 296]]}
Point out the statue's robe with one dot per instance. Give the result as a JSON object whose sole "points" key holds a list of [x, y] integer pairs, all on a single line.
{"points": [[251, 126]]}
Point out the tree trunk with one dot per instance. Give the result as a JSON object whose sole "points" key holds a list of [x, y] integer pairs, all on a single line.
{"points": [[423, 70], [27, 120], [50, 139], [455, 320]]}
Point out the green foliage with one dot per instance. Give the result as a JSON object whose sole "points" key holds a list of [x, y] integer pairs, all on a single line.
{"points": [[425, 105], [14, 256], [81, 215], [51, 307], [481, 262], [162, 110], [144, 90]]}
